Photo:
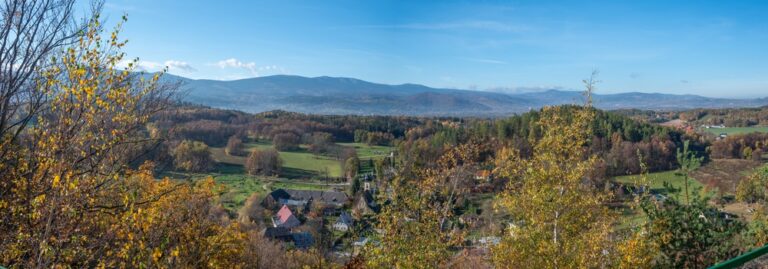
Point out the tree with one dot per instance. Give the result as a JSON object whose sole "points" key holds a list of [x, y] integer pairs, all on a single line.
{"points": [[33, 33], [754, 188], [252, 212], [688, 163], [234, 146], [65, 187], [320, 142], [192, 156], [691, 234], [558, 221], [351, 166], [415, 225], [285, 141], [264, 162]]}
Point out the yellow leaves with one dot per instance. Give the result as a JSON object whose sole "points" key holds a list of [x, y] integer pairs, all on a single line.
{"points": [[558, 220], [56, 180], [156, 255], [38, 200]]}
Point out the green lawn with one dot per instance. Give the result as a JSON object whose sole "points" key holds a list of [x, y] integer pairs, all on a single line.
{"points": [[656, 181], [297, 186], [632, 217], [239, 186], [299, 169], [364, 151], [738, 130], [296, 164]]}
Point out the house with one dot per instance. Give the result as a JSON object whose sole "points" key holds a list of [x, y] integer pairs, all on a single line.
{"points": [[365, 204], [483, 175], [303, 198], [278, 233], [302, 240], [285, 218], [344, 222], [360, 242], [330, 211]]}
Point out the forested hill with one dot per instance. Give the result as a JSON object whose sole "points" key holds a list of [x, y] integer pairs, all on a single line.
{"points": [[336, 95], [617, 139]]}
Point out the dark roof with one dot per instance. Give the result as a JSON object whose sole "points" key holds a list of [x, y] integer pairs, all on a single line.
{"points": [[279, 194], [302, 240], [277, 232], [306, 195], [345, 218]]}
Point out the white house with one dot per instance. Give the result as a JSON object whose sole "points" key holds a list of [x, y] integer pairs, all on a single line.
{"points": [[344, 222]]}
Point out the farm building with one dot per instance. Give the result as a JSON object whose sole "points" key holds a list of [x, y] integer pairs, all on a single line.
{"points": [[302, 240], [285, 218], [302, 198], [278, 233]]}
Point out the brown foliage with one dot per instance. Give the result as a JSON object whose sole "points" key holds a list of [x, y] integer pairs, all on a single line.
{"points": [[192, 156], [264, 162]]}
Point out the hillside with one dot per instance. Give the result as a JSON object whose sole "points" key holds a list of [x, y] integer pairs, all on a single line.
{"points": [[333, 95]]}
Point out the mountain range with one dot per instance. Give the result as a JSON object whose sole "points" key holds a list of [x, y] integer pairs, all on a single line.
{"points": [[338, 95]]}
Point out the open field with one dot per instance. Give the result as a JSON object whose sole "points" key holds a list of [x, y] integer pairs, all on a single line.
{"points": [[725, 174], [737, 130], [365, 151], [656, 181], [296, 164], [240, 186], [632, 217]]}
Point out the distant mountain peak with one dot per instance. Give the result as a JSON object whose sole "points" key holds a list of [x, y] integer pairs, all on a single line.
{"points": [[343, 95]]}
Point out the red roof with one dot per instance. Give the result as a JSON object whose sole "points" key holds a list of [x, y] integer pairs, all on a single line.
{"points": [[284, 214], [483, 173]]}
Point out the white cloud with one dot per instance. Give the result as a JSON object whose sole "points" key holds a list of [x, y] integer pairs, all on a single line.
{"points": [[179, 65], [174, 66], [235, 63], [250, 67]]}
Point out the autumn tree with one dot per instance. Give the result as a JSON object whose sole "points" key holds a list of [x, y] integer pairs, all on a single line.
{"points": [[286, 141], [558, 219], [754, 188], [60, 182], [192, 156], [234, 146], [265, 162], [416, 227], [351, 167]]}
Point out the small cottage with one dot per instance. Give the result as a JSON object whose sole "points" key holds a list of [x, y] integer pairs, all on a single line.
{"points": [[344, 222]]}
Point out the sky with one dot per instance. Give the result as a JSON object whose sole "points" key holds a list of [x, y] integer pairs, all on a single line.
{"points": [[710, 48]]}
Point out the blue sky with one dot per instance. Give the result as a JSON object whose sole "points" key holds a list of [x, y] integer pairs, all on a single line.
{"points": [[711, 48]]}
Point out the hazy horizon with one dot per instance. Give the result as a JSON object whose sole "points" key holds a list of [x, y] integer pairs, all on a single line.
{"points": [[707, 48]]}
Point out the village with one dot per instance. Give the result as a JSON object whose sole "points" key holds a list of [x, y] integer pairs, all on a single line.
{"points": [[343, 224]]}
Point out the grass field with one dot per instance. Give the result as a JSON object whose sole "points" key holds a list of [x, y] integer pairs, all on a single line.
{"points": [[296, 164], [365, 151], [656, 181], [632, 217], [302, 170], [299, 167], [737, 130]]}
